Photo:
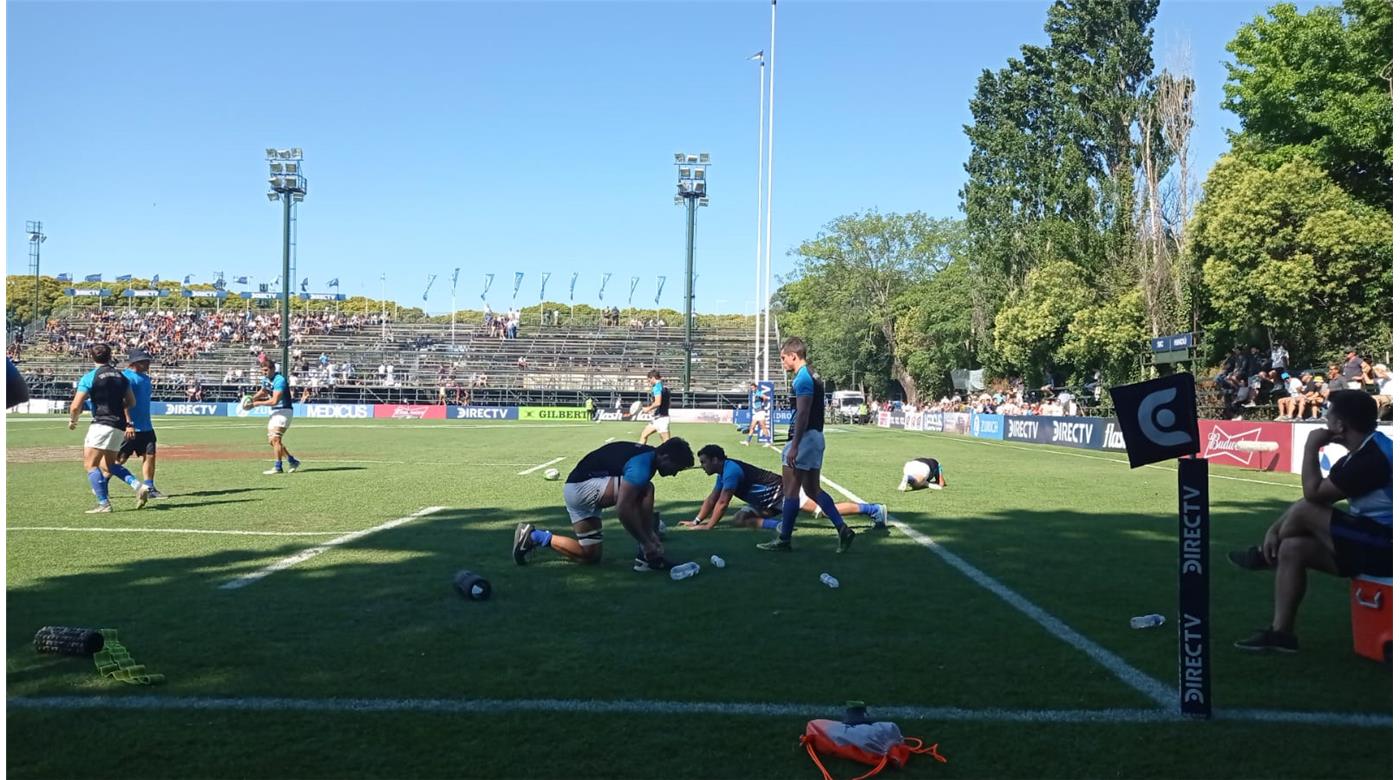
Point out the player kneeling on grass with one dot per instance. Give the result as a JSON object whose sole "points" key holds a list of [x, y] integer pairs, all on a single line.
{"points": [[762, 490], [921, 473], [1314, 534], [275, 393], [617, 474]]}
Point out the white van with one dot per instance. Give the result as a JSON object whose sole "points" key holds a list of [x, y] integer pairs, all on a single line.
{"points": [[848, 403]]}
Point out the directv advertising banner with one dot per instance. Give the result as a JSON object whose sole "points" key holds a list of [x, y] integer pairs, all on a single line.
{"points": [[1083, 432], [195, 409], [988, 426], [334, 411], [1017, 428], [482, 413]]}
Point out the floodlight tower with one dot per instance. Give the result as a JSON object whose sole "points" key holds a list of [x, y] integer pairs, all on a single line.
{"points": [[691, 190], [36, 237], [286, 183]]}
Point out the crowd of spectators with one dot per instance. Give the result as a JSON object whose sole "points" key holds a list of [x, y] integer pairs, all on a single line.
{"points": [[503, 326], [1249, 379]]}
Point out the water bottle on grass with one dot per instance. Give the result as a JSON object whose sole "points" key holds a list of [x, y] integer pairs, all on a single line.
{"points": [[1147, 621], [684, 570]]}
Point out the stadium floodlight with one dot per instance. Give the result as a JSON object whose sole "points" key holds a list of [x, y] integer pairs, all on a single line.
{"points": [[690, 190], [272, 196], [35, 231], [271, 153], [680, 157], [287, 184], [705, 157], [296, 153]]}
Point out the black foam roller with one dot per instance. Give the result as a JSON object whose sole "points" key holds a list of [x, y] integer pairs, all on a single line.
{"points": [[472, 586], [64, 640]]}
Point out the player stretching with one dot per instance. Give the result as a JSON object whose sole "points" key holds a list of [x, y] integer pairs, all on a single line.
{"points": [[762, 490], [143, 445], [759, 414], [112, 400], [660, 407], [921, 473], [274, 393], [802, 457], [617, 474]]}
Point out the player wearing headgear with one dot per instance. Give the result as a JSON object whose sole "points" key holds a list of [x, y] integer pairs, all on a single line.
{"points": [[921, 473], [759, 414], [660, 407], [111, 402], [762, 490], [617, 474], [143, 444], [802, 457], [275, 393]]}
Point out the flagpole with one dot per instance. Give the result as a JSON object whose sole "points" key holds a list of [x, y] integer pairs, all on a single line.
{"points": [[758, 248], [454, 312], [768, 239]]}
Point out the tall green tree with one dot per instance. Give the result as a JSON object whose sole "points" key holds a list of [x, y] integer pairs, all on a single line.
{"points": [[1318, 85], [1032, 328], [933, 334]]}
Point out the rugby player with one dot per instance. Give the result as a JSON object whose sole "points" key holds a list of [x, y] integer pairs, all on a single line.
{"points": [[275, 393], [802, 457], [762, 490], [143, 445], [660, 407], [617, 474], [112, 400], [759, 415], [921, 473]]}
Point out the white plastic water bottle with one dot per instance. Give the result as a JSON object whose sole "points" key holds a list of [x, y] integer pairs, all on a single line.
{"points": [[1147, 621], [689, 569], [716, 561], [830, 581]]}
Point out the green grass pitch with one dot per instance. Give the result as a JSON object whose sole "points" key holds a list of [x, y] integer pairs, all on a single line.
{"points": [[362, 661]]}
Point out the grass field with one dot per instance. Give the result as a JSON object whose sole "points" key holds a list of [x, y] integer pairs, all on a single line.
{"points": [[363, 661]]}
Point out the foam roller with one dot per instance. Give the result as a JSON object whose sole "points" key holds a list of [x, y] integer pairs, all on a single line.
{"points": [[63, 640], [472, 586]]}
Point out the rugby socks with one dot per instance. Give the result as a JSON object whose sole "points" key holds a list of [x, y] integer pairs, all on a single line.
{"points": [[541, 538], [791, 506], [869, 509], [277, 464], [118, 470], [99, 485], [292, 460], [828, 508], [771, 523]]}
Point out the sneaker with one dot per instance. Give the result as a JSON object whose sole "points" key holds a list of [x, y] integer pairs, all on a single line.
{"points": [[642, 565], [1268, 639], [273, 471], [934, 486], [1282, 418], [882, 515], [142, 494], [1249, 559], [293, 465], [844, 538], [776, 545], [99, 509], [744, 442], [523, 543], [156, 494]]}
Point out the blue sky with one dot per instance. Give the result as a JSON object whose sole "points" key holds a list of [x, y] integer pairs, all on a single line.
{"points": [[501, 137]]}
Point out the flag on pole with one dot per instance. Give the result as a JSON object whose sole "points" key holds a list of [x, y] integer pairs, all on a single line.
{"points": [[431, 278], [155, 280], [65, 277], [544, 278], [606, 277], [334, 283], [277, 281], [124, 278], [455, 271], [93, 278], [660, 283], [241, 280], [304, 281], [635, 279], [757, 56], [489, 279], [572, 282], [519, 275]]}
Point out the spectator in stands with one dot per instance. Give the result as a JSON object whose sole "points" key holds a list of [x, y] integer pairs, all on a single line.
{"points": [[194, 391], [1351, 370], [325, 360], [1278, 358], [1335, 381], [1384, 398], [1290, 403]]}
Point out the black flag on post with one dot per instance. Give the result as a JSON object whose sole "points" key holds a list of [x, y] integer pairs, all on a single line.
{"points": [[1158, 418]]}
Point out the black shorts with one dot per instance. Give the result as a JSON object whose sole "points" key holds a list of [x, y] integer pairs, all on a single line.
{"points": [[144, 443], [1362, 545]]}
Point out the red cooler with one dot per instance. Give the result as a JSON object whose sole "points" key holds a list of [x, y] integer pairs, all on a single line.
{"points": [[1370, 617]]}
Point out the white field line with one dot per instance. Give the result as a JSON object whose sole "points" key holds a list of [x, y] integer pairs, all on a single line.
{"points": [[1138, 680], [312, 552], [537, 468], [652, 707], [610, 440], [171, 531]]}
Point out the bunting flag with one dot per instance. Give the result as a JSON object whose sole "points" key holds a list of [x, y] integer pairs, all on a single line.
{"points": [[155, 280], [124, 278], [660, 283], [277, 281], [431, 278], [630, 293], [572, 282], [65, 277], [544, 278], [519, 275], [455, 271], [489, 279], [758, 56], [241, 280], [261, 287], [188, 277], [219, 284], [334, 283], [93, 278], [606, 277], [305, 281]]}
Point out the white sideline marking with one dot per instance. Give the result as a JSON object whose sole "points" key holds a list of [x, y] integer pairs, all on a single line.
{"points": [[312, 552], [537, 468], [173, 531], [610, 440], [651, 707], [1152, 688]]}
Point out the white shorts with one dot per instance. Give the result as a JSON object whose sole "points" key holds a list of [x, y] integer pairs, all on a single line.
{"points": [[277, 422], [583, 499], [104, 437], [661, 424], [919, 470], [761, 415]]}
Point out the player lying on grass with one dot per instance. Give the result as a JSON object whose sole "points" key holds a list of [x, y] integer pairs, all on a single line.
{"points": [[762, 490], [617, 474], [921, 473]]}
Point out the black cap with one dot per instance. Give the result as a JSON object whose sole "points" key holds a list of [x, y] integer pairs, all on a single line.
{"points": [[139, 356]]}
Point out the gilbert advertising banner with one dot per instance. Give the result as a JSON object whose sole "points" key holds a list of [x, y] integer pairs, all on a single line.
{"points": [[1221, 440], [410, 412], [483, 413], [988, 426], [555, 413]]}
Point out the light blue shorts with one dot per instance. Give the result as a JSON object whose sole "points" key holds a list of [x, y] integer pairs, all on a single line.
{"points": [[809, 452]]}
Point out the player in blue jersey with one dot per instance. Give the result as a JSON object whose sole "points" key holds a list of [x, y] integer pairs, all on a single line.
{"points": [[106, 391], [758, 410], [143, 444], [617, 474], [275, 393], [660, 407], [802, 457], [762, 490]]}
